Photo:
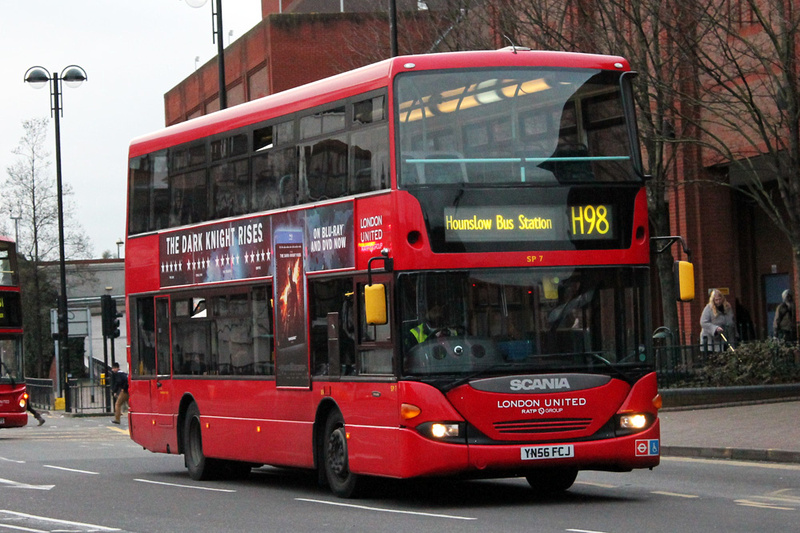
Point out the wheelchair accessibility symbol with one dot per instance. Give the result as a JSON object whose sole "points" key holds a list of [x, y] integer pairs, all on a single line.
{"points": [[647, 447]]}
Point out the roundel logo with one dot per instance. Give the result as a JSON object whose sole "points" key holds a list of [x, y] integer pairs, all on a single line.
{"points": [[647, 447]]}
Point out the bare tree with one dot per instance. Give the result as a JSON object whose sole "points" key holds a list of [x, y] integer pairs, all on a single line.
{"points": [[639, 30], [29, 192], [746, 54]]}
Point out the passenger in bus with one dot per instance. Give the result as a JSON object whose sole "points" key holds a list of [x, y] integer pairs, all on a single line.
{"points": [[347, 340]]}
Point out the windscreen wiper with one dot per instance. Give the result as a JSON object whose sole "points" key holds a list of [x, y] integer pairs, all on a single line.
{"points": [[8, 372]]}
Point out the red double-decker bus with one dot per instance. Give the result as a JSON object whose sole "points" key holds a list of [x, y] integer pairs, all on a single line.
{"points": [[434, 265], [13, 395]]}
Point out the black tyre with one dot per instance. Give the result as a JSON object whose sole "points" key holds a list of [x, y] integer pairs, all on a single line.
{"points": [[342, 482], [552, 480], [200, 467], [235, 469]]}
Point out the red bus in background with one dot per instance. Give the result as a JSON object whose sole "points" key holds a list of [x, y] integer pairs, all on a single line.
{"points": [[495, 198], [13, 395]]}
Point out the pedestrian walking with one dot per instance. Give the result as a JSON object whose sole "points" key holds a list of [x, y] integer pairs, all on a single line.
{"points": [[783, 325], [35, 413], [119, 388], [717, 323]]}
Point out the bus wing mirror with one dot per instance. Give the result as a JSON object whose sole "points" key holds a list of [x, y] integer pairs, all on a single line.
{"points": [[375, 304], [684, 280]]}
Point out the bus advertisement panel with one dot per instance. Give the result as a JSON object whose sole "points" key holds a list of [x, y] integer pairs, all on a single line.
{"points": [[442, 257]]}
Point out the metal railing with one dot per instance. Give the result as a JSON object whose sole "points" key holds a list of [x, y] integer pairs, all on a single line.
{"points": [[87, 397], [41, 393], [693, 365], [680, 365]]}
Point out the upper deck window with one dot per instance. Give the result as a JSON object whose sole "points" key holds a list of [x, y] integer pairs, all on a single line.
{"points": [[512, 126], [8, 274], [327, 121], [369, 111]]}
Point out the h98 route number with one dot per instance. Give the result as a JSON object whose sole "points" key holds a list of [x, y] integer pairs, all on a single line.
{"points": [[590, 220]]}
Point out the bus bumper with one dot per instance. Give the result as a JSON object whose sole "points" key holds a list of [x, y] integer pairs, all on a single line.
{"points": [[621, 454], [13, 420], [419, 456]]}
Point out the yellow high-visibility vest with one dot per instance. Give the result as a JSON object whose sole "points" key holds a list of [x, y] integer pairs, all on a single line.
{"points": [[419, 333]]}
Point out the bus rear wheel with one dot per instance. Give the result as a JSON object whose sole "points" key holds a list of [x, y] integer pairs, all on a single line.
{"points": [[202, 468], [342, 482], [552, 480]]}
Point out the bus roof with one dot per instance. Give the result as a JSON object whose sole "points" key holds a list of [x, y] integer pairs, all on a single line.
{"points": [[357, 81]]}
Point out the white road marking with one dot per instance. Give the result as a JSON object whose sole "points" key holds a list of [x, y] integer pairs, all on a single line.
{"points": [[91, 527], [760, 505], [675, 494], [183, 486], [383, 510], [20, 528], [72, 470], [731, 462], [18, 485], [592, 484]]}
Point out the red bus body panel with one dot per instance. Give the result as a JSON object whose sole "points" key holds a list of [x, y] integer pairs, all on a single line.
{"points": [[266, 425], [11, 414]]}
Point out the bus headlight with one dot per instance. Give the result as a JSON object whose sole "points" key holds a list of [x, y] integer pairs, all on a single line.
{"points": [[443, 431], [633, 423], [22, 403]]}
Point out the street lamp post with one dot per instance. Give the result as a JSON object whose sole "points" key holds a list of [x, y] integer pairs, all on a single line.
{"points": [[73, 76], [16, 220], [216, 14]]}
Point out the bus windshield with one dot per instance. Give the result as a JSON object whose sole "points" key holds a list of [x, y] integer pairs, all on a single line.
{"points": [[10, 360], [505, 127], [464, 323]]}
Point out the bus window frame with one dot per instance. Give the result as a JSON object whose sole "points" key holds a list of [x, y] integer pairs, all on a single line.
{"points": [[366, 345]]}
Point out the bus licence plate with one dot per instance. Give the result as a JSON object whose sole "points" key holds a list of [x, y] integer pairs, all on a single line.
{"points": [[529, 453], [2, 420]]}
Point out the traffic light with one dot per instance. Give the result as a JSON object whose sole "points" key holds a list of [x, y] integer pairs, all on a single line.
{"points": [[110, 316]]}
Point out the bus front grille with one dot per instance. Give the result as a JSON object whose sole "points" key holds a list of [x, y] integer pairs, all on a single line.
{"points": [[551, 425]]}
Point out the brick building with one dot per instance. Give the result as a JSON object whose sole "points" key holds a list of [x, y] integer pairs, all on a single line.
{"points": [[298, 41], [735, 246]]}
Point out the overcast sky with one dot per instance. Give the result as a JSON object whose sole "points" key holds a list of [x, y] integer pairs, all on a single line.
{"points": [[133, 52]]}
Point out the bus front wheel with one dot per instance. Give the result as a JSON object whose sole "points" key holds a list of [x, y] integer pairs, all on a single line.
{"points": [[552, 480], [342, 482]]}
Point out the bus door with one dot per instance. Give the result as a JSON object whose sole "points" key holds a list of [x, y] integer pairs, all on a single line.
{"points": [[375, 389], [161, 388]]}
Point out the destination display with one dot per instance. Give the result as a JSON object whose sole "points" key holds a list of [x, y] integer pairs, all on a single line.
{"points": [[529, 223], [10, 310]]}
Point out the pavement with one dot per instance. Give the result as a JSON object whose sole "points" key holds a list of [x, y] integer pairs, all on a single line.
{"points": [[763, 431]]}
